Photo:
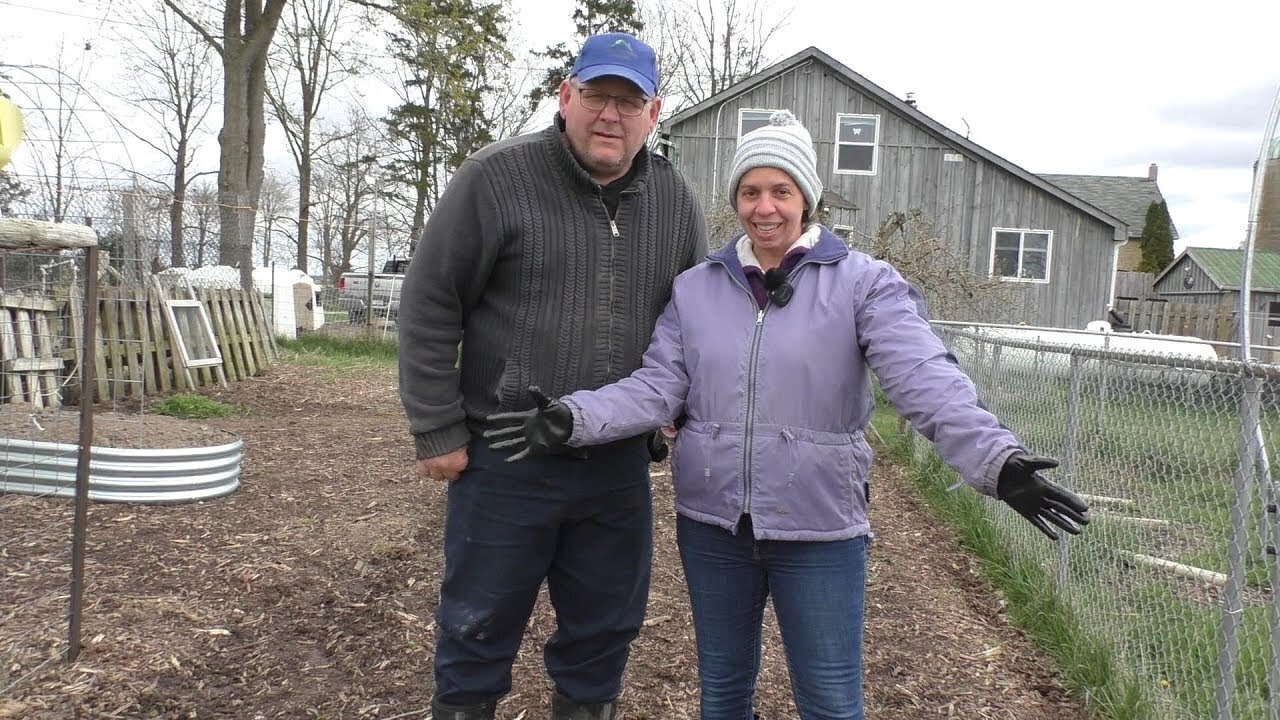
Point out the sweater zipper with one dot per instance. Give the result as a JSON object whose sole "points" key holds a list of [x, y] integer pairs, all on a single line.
{"points": [[613, 227]]}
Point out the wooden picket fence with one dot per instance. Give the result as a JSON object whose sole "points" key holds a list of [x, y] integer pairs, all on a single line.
{"points": [[1207, 322], [137, 353], [29, 349]]}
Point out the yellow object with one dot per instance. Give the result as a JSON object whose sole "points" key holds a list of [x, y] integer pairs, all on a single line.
{"points": [[10, 129]]}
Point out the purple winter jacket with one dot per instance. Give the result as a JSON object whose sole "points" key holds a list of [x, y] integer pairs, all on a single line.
{"points": [[777, 399]]}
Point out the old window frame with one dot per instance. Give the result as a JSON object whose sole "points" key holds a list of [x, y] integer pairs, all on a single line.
{"points": [[1022, 255], [874, 144], [844, 232], [172, 309], [764, 111]]}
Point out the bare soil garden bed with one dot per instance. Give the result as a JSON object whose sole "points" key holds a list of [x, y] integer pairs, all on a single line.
{"points": [[309, 593]]}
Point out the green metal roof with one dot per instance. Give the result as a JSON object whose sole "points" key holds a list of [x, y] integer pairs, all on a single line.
{"points": [[1224, 266]]}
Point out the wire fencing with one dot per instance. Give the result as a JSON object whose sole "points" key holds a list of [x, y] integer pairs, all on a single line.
{"points": [[1176, 572], [43, 316]]}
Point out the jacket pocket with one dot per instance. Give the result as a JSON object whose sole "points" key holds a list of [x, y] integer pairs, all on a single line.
{"points": [[707, 469], [806, 480]]}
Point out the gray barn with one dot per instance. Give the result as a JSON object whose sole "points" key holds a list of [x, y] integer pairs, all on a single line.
{"points": [[878, 155]]}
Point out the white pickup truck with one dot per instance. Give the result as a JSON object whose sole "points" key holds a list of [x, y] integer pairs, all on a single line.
{"points": [[383, 302]]}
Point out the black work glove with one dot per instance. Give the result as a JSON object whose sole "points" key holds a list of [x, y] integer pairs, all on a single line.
{"points": [[658, 449], [543, 430], [1039, 500]]}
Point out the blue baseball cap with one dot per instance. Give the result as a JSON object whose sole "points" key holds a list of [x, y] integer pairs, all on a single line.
{"points": [[619, 55]]}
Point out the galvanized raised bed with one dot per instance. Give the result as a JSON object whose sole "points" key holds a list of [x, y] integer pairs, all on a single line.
{"points": [[165, 475]]}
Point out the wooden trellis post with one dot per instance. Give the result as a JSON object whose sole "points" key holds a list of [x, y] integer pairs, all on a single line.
{"points": [[39, 235]]}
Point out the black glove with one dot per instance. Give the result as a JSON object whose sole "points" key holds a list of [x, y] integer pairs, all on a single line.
{"points": [[543, 430], [658, 449], [1039, 500]]}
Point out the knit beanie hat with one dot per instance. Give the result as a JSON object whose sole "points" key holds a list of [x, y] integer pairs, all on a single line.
{"points": [[782, 144]]}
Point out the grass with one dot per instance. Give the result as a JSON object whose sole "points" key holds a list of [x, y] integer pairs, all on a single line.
{"points": [[1087, 663], [1134, 645], [341, 353], [191, 407]]}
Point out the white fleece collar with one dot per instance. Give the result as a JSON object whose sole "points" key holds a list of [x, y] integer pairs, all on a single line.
{"points": [[807, 240]]}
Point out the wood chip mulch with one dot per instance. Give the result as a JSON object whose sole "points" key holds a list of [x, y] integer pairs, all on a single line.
{"points": [[309, 592]]}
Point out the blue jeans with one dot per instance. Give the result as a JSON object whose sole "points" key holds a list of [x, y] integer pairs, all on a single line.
{"points": [[818, 590], [585, 526]]}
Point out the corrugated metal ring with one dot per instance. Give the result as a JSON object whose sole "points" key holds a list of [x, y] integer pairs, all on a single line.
{"points": [[137, 475]]}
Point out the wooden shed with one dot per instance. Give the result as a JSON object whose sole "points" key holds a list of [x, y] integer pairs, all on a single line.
{"points": [[879, 154], [1211, 276]]}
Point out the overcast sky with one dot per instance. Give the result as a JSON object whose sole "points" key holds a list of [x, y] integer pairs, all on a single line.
{"points": [[1088, 86]]}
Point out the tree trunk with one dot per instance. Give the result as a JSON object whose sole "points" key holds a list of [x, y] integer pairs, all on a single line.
{"points": [[304, 203], [177, 254], [233, 168]]}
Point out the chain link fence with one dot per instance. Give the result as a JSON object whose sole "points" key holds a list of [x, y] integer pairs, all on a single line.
{"points": [[1176, 572]]}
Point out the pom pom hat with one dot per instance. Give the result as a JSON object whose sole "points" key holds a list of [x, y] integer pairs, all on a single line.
{"points": [[782, 144]]}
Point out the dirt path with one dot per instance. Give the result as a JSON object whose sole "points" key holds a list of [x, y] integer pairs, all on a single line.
{"points": [[309, 592]]}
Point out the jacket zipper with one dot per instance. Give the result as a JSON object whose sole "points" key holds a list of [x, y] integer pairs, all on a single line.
{"points": [[751, 409], [751, 394], [752, 367]]}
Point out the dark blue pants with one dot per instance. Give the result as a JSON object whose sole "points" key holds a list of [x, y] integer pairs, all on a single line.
{"points": [[818, 595], [584, 526]]}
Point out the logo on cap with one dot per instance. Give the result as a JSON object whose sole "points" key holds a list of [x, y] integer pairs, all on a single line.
{"points": [[618, 55]]}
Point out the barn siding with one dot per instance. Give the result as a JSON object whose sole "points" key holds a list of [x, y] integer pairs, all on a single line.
{"points": [[965, 200]]}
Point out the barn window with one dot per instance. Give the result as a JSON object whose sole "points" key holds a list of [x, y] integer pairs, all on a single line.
{"points": [[1273, 314], [752, 119], [1021, 255], [856, 140]]}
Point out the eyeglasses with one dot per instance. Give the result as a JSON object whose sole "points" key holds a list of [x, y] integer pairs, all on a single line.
{"points": [[595, 101]]}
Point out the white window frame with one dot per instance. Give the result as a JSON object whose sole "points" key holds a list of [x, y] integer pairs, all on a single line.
{"points": [[743, 111], [1022, 240], [200, 319], [851, 230], [875, 145]]}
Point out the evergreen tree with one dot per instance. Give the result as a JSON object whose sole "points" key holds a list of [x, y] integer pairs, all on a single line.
{"points": [[1157, 239], [451, 49], [11, 191], [591, 17]]}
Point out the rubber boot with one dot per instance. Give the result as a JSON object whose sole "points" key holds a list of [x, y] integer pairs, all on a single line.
{"points": [[440, 711], [562, 708]]}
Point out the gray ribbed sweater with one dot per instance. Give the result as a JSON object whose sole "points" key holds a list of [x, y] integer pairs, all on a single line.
{"points": [[520, 264]]}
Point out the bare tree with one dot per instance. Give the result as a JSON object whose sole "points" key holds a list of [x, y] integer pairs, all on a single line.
{"points": [[313, 61], [243, 44], [707, 45], [348, 179], [201, 212], [912, 244], [275, 205], [506, 104], [56, 136], [172, 82]]}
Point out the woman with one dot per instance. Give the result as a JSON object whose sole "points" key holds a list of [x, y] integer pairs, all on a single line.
{"points": [[765, 351]]}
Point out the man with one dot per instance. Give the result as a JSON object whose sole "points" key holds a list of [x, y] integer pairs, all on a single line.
{"points": [[549, 258]]}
